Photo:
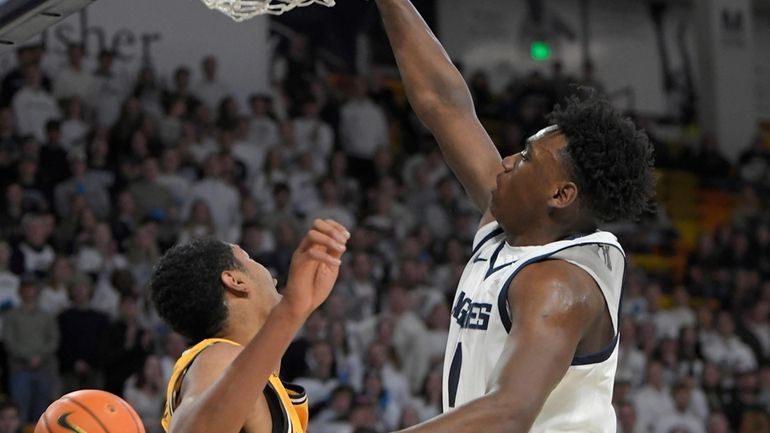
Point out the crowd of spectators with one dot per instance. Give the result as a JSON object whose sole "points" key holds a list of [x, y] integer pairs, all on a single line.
{"points": [[100, 176]]}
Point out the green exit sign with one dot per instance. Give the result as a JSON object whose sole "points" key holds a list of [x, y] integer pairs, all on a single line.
{"points": [[540, 50]]}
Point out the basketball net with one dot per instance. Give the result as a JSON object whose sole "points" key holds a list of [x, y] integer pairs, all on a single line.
{"points": [[241, 10]]}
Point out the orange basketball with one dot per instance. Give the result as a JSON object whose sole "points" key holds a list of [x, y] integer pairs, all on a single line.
{"points": [[89, 411]]}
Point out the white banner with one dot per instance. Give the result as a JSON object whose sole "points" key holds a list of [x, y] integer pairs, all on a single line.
{"points": [[728, 91], [168, 34]]}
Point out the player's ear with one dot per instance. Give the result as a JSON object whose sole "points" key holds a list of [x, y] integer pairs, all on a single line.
{"points": [[564, 195], [234, 281]]}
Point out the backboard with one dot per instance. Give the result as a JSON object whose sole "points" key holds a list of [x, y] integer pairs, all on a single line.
{"points": [[22, 19]]}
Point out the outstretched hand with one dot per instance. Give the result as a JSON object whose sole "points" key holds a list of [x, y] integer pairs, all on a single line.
{"points": [[315, 266]]}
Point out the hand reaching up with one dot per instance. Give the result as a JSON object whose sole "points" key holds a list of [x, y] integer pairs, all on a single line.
{"points": [[315, 266]]}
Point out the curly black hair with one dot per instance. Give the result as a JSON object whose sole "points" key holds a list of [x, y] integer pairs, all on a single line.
{"points": [[610, 159], [186, 288]]}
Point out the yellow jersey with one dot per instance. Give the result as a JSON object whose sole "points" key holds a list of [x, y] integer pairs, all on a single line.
{"points": [[287, 402]]}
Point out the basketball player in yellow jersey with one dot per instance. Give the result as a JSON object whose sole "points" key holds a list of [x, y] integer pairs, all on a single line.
{"points": [[216, 296]]}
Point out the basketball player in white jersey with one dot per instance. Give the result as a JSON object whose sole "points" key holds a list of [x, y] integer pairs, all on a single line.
{"points": [[533, 341]]}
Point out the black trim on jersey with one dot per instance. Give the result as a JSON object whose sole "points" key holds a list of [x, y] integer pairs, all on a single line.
{"points": [[502, 298], [604, 354], [297, 394], [492, 234], [574, 236], [277, 411], [454, 374], [600, 356], [622, 292], [492, 268]]}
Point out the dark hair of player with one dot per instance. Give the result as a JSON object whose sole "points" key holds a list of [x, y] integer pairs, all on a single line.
{"points": [[186, 288], [610, 160]]}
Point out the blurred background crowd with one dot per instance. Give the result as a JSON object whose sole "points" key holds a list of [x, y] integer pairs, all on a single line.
{"points": [[102, 172]]}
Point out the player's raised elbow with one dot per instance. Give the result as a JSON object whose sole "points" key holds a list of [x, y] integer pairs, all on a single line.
{"points": [[433, 107]]}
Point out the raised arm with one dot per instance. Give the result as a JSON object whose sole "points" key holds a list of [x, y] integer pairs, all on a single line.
{"points": [[223, 391], [441, 98], [552, 307]]}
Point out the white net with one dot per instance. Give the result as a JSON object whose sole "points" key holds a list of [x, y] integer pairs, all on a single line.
{"points": [[240, 10]]}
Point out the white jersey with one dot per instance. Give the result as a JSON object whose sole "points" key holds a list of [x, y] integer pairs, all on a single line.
{"points": [[581, 401]]}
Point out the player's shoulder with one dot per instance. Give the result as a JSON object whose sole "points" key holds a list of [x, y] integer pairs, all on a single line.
{"points": [[207, 365], [556, 281], [214, 355]]}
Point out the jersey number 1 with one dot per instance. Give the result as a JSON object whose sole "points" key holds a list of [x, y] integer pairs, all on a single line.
{"points": [[454, 374]]}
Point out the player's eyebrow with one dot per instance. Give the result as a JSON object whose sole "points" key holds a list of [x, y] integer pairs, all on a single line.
{"points": [[528, 148]]}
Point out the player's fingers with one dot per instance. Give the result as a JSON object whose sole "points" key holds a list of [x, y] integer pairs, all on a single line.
{"points": [[340, 228], [331, 230], [342, 233], [324, 257], [304, 244], [320, 238]]}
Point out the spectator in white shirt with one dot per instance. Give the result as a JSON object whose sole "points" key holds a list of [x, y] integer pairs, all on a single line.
{"points": [[110, 91], [631, 361], [363, 129], [83, 183], [222, 198], [173, 347], [681, 314], [210, 90], [172, 122], [717, 423], [653, 398], [34, 106], [679, 416], [145, 391], [409, 336], [726, 349], [34, 254], [333, 417], [331, 208], [359, 288], [757, 323], [311, 133], [321, 379], [246, 150], [171, 177], [54, 297], [627, 422], [73, 79], [73, 128], [263, 129], [302, 180], [148, 91]]}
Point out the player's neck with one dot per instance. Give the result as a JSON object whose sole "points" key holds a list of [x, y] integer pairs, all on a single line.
{"points": [[530, 239], [547, 234], [241, 328]]}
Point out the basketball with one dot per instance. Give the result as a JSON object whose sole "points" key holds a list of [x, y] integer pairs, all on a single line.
{"points": [[89, 411]]}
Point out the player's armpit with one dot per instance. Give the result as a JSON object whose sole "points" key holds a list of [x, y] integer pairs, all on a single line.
{"points": [[553, 304]]}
